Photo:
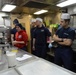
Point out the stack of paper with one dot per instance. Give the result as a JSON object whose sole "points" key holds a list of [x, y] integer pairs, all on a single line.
{"points": [[24, 57]]}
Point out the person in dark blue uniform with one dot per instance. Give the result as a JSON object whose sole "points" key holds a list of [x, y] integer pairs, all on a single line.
{"points": [[33, 26], [40, 39], [13, 31], [64, 37]]}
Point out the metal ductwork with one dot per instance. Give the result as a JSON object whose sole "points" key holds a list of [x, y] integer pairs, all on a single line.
{"points": [[31, 6], [36, 4]]}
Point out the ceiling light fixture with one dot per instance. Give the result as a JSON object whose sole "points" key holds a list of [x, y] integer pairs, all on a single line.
{"points": [[40, 12], [8, 8], [66, 3]]}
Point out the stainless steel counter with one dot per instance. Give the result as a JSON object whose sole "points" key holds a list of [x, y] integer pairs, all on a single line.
{"points": [[20, 53], [9, 72], [32, 66], [42, 67]]}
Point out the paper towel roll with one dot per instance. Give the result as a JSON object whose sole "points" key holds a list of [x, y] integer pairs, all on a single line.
{"points": [[11, 58]]}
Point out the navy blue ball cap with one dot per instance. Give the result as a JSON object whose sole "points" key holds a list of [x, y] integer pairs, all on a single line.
{"points": [[15, 21]]}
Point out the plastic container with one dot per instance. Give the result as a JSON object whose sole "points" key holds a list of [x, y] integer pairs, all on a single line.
{"points": [[11, 58]]}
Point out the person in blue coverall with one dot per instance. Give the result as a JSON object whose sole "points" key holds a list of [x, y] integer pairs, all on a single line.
{"points": [[13, 31], [40, 39], [64, 37], [33, 27]]}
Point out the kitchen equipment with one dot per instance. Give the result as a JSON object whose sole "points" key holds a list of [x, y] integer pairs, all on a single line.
{"points": [[0, 54]]}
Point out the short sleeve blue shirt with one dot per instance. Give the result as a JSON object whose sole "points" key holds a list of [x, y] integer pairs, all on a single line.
{"points": [[67, 33], [40, 34], [13, 31]]}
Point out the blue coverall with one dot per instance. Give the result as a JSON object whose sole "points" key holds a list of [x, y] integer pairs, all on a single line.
{"points": [[32, 34], [40, 35], [63, 53]]}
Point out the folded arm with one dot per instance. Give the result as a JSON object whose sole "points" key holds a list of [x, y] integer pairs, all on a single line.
{"points": [[62, 41]]}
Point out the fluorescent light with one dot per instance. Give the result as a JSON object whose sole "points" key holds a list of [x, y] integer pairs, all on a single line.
{"points": [[41, 12], [8, 7], [66, 3]]}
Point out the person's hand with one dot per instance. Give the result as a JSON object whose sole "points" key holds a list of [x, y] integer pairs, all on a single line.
{"points": [[57, 37], [64, 39], [27, 44], [33, 47], [14, 42]]}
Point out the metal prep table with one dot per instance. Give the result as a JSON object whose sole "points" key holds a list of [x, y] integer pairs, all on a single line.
{"points": [[42, 67], [33, 66], [20, 53], [9, 72]]}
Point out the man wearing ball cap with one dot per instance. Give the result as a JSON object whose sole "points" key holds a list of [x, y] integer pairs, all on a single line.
{"points": [[13, 31], [40, 38], [64, 37]]}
